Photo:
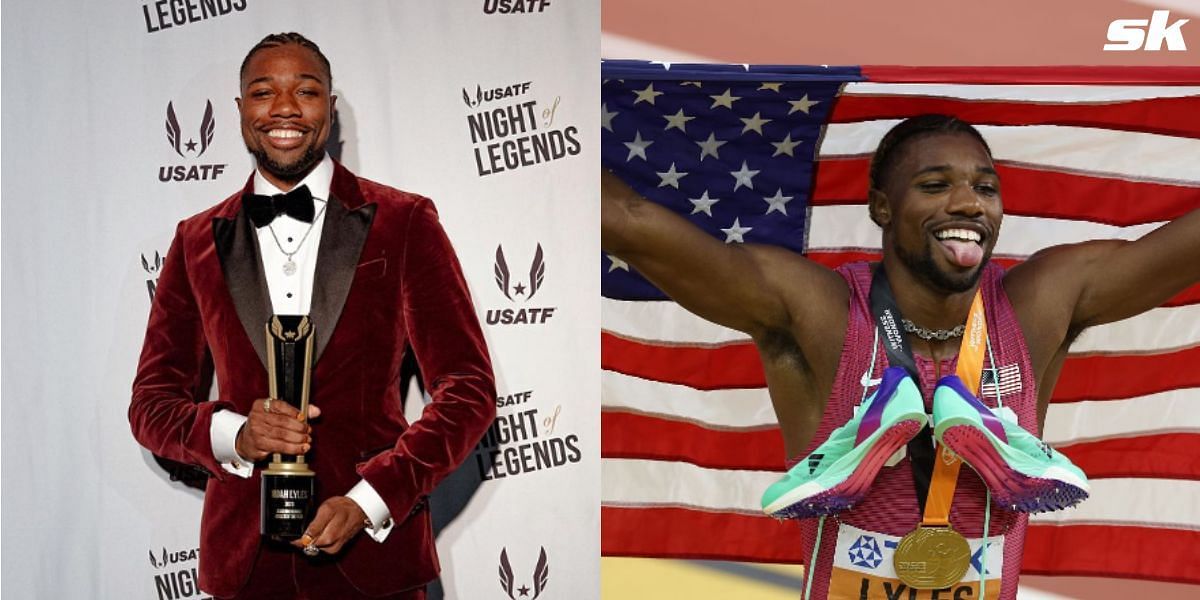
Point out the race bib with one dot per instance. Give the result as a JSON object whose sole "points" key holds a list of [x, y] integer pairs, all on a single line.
{"points": [[863, 569]]}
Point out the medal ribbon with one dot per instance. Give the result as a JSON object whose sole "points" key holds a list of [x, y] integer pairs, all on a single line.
{"points": [[935, 480], [969, 370]]}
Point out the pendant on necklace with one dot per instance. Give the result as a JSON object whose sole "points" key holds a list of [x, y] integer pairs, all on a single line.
{"points": [[289, 267]]}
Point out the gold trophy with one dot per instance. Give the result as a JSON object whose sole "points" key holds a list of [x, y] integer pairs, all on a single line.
{"points": [[288, 485]]}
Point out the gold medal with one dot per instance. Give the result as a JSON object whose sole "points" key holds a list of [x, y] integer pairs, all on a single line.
{"points": [[932, 558]]}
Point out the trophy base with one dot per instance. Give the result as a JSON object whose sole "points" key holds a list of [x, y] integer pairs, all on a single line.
{"points": [[287, 504]]}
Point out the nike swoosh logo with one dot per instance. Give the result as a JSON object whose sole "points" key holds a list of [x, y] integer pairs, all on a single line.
{"points": [[868, 382]]}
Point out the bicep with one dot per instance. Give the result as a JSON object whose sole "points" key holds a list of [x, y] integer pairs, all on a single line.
{"points": [[741, 286]]}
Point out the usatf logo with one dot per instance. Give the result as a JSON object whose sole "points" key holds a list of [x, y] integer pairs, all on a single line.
{"points": [[537, 272], [194, 147], [517, 133], [541, 575], [179, 580], [165, 14], [153, 268], [497, 93], [1128, 35], [519, 289], [508, 7]]}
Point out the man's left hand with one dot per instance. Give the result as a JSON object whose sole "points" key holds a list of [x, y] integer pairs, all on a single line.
{"points": [[338, 519]]}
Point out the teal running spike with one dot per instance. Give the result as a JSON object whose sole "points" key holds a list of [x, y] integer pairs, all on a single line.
{"points": [[1023, 472], [840, 471]]}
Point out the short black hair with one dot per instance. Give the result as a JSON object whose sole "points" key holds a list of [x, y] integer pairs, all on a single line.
{"points": [[282, 39], [910, 129]]}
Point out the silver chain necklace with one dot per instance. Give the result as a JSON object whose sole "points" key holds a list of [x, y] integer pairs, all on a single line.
{"points": [[940, 335], [289, 267]]}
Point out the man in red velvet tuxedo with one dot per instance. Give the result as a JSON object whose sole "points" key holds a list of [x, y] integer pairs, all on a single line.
{"points": [[373, 269]]}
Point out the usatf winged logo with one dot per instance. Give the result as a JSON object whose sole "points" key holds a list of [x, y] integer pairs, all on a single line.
{"points": [[175, 135], [478, 96], [537, 272], [152, 269], [541, 574]]}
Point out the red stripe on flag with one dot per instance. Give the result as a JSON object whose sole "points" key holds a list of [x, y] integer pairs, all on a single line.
{"points": [[630, 435], [1075, 196], [1113, 551], [646, 437], [684, 533], [1164, 116], [704, 368], [1109, 377], [1162, 456], [737, 365], [1048, 75]]}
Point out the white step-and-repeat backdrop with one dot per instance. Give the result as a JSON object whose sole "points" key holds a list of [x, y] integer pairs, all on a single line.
{"points": [[438, 98]]}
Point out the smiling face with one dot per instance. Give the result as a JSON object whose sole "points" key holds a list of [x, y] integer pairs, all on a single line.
{"points": [[285, 107], [940, 209]]}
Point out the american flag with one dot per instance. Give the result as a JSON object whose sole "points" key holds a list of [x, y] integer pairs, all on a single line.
{"points": [[779, 155]]}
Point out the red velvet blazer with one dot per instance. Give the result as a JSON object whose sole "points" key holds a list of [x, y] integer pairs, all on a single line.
{"points": [[386, 276]]}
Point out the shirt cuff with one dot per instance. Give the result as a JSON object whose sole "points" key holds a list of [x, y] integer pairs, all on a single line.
{"points": [[223, 434], [374, 507]]}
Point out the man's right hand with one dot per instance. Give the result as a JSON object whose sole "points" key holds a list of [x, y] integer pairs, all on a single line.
{"points": [[278, 430]]}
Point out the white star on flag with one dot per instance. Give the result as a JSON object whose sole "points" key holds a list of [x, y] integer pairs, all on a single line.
{"points": [[774, 87], [671, 177], [785, 147], [648, 94], [709, 147], [677, 120], [606, 117], [777, 202], [637, 147], [743, 177], [735, 232], [726, 99], [703, 203], [754, 123], [802, 105], [617, 264]]}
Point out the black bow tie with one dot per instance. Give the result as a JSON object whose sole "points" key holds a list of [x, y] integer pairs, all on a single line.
{"points": [[297, 204]]}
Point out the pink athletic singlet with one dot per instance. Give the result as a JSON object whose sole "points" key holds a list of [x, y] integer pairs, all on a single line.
{"points": [[855, 556]]}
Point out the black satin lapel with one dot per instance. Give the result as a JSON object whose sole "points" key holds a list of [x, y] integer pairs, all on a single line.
{"points": [[342, 238], [237, 246]]}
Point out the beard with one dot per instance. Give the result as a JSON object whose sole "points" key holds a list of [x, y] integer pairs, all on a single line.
{"points": [[922, 265], [293, 171]]}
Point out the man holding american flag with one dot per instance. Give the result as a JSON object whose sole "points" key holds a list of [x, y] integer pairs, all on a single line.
{"points": [[825, 343]]}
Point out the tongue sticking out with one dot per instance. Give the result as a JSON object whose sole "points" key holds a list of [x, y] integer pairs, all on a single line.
{"points": [[963, 254]]}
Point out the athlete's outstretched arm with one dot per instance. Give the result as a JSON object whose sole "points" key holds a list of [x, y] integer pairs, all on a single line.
{"points": [[1133, 277], [743, 286], [1108, 280]]}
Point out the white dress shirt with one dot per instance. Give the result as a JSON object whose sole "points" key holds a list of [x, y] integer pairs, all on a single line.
{"points": [[292, 295]]}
